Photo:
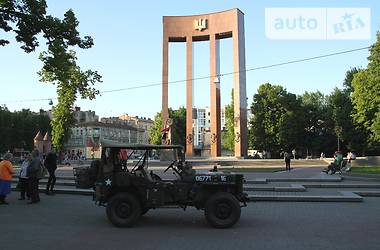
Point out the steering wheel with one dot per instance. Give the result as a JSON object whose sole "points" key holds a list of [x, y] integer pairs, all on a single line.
{"points": [[170, 166]]}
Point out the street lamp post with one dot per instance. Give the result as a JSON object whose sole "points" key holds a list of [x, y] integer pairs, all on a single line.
{"points": [[338, 131], [338, 143]]}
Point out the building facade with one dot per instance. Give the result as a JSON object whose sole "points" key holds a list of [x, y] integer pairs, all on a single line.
{"points": [[202, 124], [141, 123], [202, 128], [84, 116], [86, 137]]}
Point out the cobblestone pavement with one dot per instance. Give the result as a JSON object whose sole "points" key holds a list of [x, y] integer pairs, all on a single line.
{"points": [[74, 222]]}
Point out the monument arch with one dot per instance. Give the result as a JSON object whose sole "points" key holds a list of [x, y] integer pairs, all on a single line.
{"points": [[209, 27]]}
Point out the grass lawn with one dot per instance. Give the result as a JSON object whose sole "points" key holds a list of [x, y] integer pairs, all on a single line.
{"points": [[365, 170], [261, 170]]}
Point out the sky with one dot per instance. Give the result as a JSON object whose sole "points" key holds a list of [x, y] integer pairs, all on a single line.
{"points": [[128, 53]]}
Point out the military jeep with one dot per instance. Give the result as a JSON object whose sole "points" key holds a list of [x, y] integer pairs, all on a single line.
{"points": [[129, 190]]}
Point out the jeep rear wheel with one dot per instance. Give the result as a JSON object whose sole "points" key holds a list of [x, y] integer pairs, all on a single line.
{"points": [[123, 210], [222, 210]]}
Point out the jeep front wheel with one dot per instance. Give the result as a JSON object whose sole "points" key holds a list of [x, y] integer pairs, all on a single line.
{"points": [[222, 210], [123, 210]]}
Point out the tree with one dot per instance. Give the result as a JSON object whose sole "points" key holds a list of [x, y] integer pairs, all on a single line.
{"points": [[178, 128], [347, 83], [228, 135], [352, 136], [277, 121], [28, 19], [17, 129], [155, 131], [340, 107], [318, 124], [366, 94]]}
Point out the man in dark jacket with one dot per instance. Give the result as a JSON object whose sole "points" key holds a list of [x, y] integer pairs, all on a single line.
{"points": [[33, 173], [287, 161], [51, 165]]}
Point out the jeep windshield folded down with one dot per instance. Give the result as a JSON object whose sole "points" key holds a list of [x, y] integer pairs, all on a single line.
{"points": [[128, 189]]}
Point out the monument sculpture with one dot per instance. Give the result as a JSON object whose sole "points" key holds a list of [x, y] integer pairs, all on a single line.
{"points": [[209, 27]]}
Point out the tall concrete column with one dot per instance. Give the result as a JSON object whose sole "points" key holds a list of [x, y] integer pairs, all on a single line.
{"points": [[165, 72], [215, 97], [240, 96], [189, 97]]}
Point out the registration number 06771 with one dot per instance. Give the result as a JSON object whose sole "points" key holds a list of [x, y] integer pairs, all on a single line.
{"points": [[203, 178]]}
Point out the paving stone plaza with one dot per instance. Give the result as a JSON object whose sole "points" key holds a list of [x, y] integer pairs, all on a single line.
{"points": [[301, 209]]}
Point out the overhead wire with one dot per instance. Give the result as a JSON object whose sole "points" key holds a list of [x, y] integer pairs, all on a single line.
{"points": [[147, 85]]}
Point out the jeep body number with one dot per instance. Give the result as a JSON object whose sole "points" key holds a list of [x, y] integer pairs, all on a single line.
{"points": [[203, 178]]}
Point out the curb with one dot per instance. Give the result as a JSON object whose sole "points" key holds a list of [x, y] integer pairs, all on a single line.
{"points": [[346, 197], [361, 177], [368, 193], [266, 180], [292, 188], [341, 185], [64, 191], [57, 183]]}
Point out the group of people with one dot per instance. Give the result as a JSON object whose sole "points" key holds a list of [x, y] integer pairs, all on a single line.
{"points": [[31, 171], [70, 156], [339, 163]]}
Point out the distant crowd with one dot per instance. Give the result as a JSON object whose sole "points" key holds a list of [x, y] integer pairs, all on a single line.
{"points": [[70, 156]]}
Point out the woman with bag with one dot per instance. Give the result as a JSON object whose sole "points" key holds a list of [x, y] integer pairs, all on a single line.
{"points": [[6, 171]]}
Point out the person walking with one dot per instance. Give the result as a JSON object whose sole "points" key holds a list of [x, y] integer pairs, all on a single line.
{"points": [[350, 156], [51, 165], [6, 171], [23, 178], [322, 156], [287, 161], [33, 173]]}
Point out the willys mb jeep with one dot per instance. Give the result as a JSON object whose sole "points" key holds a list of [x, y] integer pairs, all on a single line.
{"points": [[129, 190]]}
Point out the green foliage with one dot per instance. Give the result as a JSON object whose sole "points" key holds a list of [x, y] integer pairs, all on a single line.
{"points": [[340, 107], [347, 83], [277, 120], [318, 123], [60, 69], [155, 130], [27, 19], [366, 170], [178, 127], [17, 129], [228, 136], [366, 94]]}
